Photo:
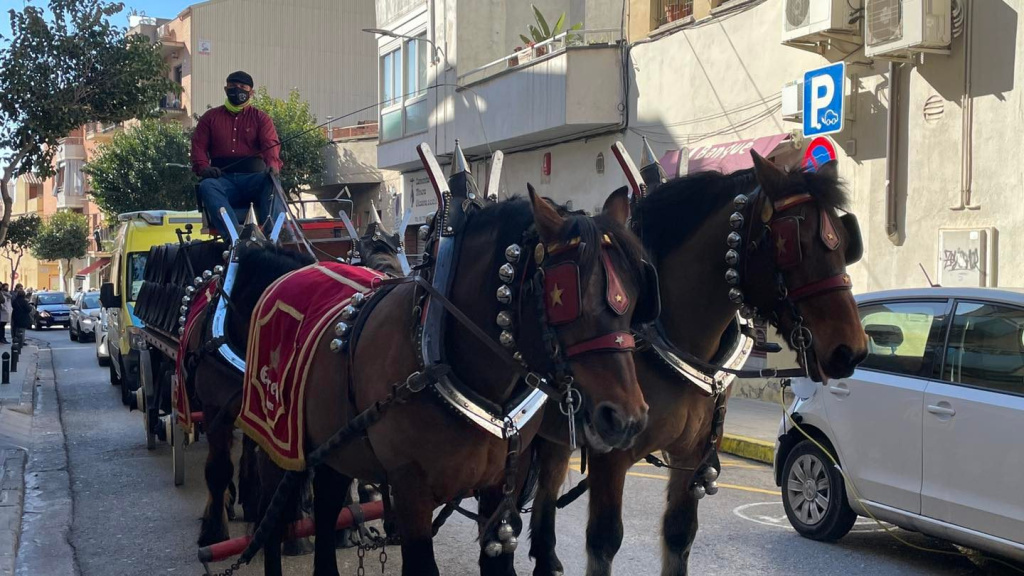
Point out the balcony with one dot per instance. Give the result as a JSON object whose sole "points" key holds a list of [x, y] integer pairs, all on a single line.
{"points": [[70, 149], [100, 132], [171, 108], [568, 85]]}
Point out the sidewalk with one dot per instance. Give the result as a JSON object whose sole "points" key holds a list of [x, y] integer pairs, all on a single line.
{"points": [[16, 408], [751, 427]]}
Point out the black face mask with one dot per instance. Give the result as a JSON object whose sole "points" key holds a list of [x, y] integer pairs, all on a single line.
{"points": [[237, 96]]}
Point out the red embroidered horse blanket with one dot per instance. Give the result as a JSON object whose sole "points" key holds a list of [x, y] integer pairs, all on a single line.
{"points": [[289, 321], [179, 392]]}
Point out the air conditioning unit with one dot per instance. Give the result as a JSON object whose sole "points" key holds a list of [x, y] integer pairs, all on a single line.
{"points": [[900, 28], [817, 20]]}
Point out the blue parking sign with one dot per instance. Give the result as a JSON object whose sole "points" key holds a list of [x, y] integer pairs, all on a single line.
{"points": [[824, 91]]}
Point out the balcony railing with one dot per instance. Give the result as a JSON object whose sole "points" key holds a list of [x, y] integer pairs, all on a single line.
{"points": [[665, 11], [99, 129], [555, 45]]}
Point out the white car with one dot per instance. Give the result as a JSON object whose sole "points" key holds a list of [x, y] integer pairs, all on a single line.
{"points": [[928, 429], [102, 355], [85, 316]]}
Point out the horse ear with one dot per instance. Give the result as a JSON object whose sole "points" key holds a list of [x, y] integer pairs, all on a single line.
{"points": [[769, 176], [830, 170], [617, 205], [545, 216]]}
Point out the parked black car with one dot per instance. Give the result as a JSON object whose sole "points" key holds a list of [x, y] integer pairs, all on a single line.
{"points": [[49, 309]]}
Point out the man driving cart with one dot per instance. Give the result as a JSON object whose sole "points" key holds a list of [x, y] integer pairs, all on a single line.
{"points": [[236, 152]]}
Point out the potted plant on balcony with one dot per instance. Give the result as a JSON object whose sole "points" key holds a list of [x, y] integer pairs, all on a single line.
{"points": [[542, 32]]}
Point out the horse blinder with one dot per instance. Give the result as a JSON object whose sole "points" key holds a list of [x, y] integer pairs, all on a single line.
{"points": [[562, 296], [854, 244], [786, 242], [648, 306]]}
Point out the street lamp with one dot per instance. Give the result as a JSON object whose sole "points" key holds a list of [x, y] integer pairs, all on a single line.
{"points": [[390, 34]]}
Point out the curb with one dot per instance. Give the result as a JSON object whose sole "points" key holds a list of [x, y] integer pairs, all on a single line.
{"points": [[750, 448]]}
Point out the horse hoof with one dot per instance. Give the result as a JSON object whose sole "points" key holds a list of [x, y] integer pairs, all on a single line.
{"points": [[297, 547], [343, 539]]}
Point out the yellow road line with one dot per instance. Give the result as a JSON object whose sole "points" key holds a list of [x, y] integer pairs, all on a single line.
{"points": [[729, 486], [725, 464]]}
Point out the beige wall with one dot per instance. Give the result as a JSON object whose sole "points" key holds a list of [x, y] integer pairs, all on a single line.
{"points": [[314, 45], [721, 82]]}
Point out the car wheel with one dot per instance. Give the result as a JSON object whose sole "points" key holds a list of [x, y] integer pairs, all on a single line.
{"points": [[72, 334], [814, 494]]}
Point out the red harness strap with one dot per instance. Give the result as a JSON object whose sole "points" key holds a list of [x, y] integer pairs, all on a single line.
{"points": [[837, 282], [614, 342]]}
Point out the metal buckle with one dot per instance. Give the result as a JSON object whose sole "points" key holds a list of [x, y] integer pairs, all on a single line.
{"points": [[534, 380]]}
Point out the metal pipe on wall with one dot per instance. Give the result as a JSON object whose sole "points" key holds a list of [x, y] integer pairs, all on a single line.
{"points": [[892, 151]]}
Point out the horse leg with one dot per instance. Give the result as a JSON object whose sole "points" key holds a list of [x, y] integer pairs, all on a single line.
{"points": [[414, 510], [219, 473], [604, 528], [679, 526], [553, 460], [248, 481], [330, 490], [298, 546], [343, 537], [271, 477], [502, 564]]}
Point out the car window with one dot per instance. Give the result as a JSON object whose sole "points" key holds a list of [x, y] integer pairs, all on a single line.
{"points": [[90, 301], [986, 347], [52, 298], [904, 338]]}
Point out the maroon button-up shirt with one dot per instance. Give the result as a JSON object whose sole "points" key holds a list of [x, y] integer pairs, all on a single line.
{"points": [[221, 135]]}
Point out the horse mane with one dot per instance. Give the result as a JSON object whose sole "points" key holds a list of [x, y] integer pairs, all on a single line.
{"points": [[382, 259], [512, 217], [676, 209], [260, 265]]}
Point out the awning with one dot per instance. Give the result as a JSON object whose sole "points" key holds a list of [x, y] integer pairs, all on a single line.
{"points": [[725, 157], [97, 265]]}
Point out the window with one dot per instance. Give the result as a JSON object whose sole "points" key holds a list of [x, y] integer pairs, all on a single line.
{"points": [[986, 347], [405, 109], [904, 338], [136, 267], [51, 298], [34, 191]]}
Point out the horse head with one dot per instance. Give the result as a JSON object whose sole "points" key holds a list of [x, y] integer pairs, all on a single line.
{"points": [[788, 254], [590, 283]]}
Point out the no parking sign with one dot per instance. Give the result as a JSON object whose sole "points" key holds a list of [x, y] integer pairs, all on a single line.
{"points": [[819, 151]]}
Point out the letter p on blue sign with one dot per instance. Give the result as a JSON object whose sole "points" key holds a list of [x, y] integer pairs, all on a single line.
{"points": [[824, 92]]}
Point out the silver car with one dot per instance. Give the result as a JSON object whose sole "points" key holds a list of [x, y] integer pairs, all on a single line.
{"points": [[100, 335], [85, 317], [926, 433]]}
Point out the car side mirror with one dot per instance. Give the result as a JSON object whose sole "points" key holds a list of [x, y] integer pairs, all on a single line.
{"points": [[73, 307], [107, 296]]}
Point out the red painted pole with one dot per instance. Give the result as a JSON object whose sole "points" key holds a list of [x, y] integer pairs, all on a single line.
{"points": [[230, 548]]}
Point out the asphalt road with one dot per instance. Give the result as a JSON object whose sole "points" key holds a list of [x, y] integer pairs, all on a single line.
{"points": [[129, 519]]}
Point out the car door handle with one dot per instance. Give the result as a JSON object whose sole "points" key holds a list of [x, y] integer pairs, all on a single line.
{"points": [[839, 390], [941, 410]]}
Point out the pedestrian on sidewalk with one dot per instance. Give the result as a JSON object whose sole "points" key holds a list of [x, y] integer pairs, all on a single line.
{"points": [[21, 317], [6, 307]]}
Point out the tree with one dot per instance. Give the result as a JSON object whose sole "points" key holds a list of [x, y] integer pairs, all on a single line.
{"points": [[21, 236], [302, 150], [64, 237], [131, 172], [63, 67]]}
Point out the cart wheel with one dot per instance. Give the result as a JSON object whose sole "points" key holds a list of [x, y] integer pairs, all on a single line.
{"points": [[178, 454], [150, 419]]}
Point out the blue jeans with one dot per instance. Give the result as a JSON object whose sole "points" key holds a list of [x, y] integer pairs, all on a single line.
{"points": [[235, 192]]}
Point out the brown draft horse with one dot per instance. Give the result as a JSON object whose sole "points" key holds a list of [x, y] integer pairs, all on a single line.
{"points": [[217, 385], [684, 226], [425, 453]]}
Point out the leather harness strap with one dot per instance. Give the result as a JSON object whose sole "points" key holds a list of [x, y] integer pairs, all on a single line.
{"points": [[837, 282], [614, 342]]}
